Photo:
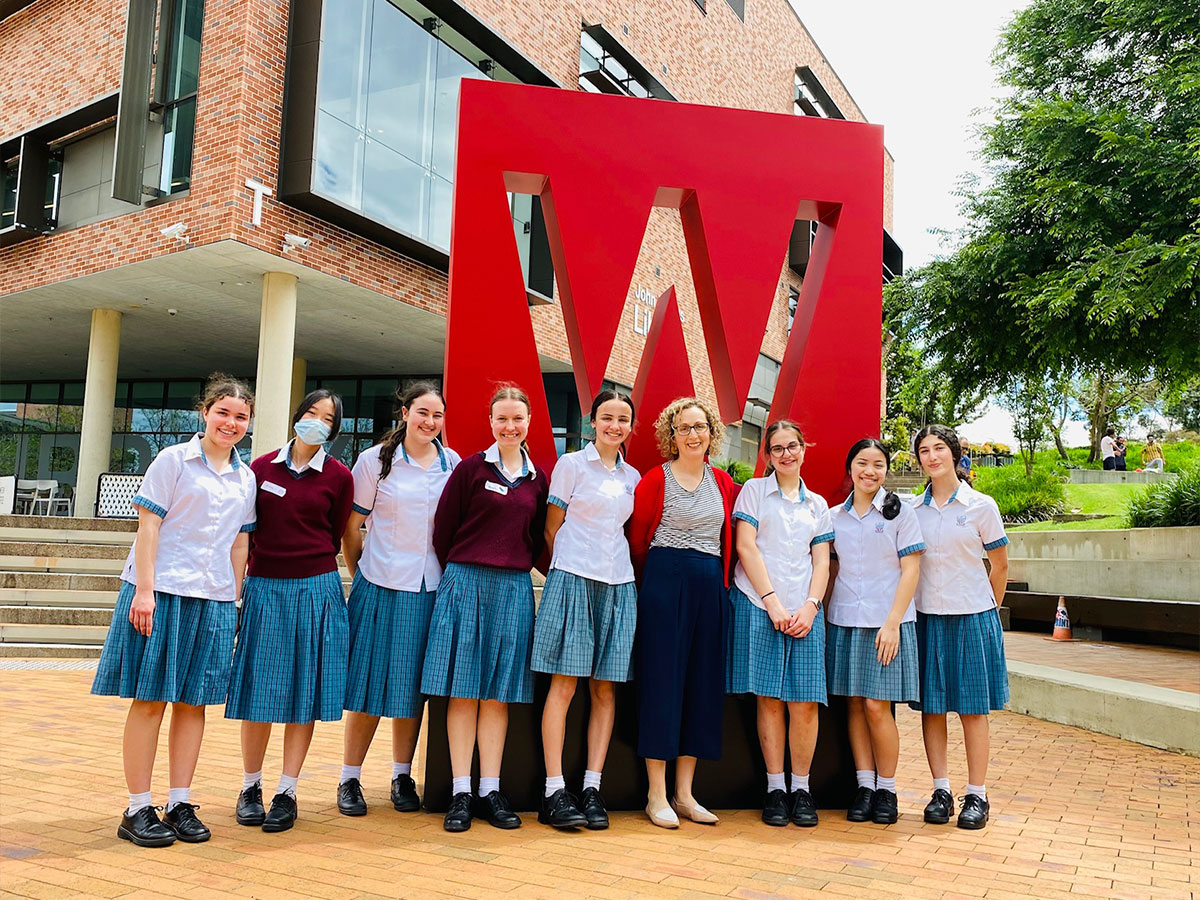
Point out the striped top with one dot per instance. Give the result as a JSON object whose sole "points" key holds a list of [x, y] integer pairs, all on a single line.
{"points": [[691, 520]]}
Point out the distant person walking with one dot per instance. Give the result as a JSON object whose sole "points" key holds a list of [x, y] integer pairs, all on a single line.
{"points": [[1108, 450], [1119, 453], [1152, 456]]}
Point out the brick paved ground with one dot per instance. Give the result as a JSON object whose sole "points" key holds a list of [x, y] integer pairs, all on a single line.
{"points": [[1075, 815], [1159, 666]]}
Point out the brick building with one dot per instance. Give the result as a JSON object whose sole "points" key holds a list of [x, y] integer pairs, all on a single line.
{"points": [[185, 179]]}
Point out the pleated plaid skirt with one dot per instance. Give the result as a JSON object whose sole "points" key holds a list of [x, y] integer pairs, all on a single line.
{"points": [[769, 663], [585, 628], [290, 661], [481, 635], [388, 633], [854, 669], [963, 669], [185, 659]]}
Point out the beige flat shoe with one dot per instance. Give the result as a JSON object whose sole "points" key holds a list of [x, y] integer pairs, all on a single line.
{"points": [[697, 813], [663, 818]]}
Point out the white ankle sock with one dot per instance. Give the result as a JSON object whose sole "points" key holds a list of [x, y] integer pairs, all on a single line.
{"points": [[399, 769], [349, 772], [488, 784], [591, 779], [941, 784], [978, 790], [553, 783], [177, 796], [140, 801], [775, 782], [460, 785], [287, 785], [250, 779], [799, 782], [866, 778], [886, 784]]}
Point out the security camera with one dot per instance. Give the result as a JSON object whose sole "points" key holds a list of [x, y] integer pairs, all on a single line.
{"points": [[178, 231], [172, 312], [295, 242]]}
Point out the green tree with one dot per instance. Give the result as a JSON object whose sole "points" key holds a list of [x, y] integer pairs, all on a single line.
{"points": [[1029, 403], [1082, 248], [1184, 406]]}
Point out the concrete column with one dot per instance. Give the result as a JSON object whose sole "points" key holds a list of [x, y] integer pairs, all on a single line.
{"points": [[99, 397], [276, 346], [299, 376]]}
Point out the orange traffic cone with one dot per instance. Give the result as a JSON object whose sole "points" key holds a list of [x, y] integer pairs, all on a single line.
{"points": [[1062, 623]]}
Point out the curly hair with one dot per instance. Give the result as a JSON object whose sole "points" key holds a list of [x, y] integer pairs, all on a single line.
{"points": [[664, 426]]}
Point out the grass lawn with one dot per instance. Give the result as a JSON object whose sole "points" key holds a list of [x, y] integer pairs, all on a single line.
{"points": [[1090, 498]]}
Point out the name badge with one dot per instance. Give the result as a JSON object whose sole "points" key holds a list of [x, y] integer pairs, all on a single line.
{"points": [[272, 488], [500, 489]]}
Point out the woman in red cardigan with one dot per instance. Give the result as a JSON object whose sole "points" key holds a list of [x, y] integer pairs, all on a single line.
{"points": [[680, 539]]}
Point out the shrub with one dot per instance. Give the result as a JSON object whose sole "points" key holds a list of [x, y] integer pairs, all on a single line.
{"points": [[1021, 499], [739, 471], [1171, 502]]}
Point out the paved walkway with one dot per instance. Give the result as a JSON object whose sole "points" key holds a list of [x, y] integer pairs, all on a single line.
{"points": [[1074, 815], [1160, 666]]}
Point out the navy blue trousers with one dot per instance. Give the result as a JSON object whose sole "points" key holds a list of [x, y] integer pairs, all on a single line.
{"points": [[679, 655]]}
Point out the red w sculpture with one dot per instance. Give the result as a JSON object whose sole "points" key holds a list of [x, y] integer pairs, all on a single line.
{"points": [[740, 180]]}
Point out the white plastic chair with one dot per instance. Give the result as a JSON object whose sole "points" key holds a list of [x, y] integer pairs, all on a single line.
{"points": [[44, 494]]}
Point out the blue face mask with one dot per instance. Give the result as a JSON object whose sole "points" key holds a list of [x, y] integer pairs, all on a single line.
{"points": [[313, 432]]}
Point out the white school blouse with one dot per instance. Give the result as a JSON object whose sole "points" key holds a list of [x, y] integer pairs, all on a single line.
{"points": [[598, 502], [398, 547], [787, 531], [869, 550], [202, 513], [953, 580]]}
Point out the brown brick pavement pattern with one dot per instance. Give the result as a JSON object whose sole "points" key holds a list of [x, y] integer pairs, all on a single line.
{"points": [[1075, 815], [1160, 666]]}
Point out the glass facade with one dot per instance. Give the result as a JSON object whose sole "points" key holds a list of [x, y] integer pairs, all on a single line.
{"points": [[179, 47]]}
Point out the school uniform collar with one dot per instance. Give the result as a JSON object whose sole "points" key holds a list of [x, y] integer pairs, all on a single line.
{"points": [[284, 456], [492, 455], [195, 451], [963, 489], [773, 488], [591, 454], [441, 452], [877, 501]]}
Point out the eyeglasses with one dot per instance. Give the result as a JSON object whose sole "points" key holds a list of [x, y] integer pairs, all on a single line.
{"points": [[685, 430], [792, 449]]}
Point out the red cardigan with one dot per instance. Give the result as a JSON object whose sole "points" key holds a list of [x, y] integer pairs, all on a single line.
{"points": [[647, 513]]}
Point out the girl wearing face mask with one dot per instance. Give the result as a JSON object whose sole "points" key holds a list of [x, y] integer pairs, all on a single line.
{"points": [[397, 485], [777, 632], [488, 531], [290, 662], [171, 636], [872, 647], [586, 621]]}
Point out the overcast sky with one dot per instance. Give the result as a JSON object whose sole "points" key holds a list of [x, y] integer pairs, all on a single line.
{"points": [[922, 69]]}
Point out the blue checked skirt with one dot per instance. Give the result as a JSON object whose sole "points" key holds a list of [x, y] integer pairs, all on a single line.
{"points": [[769, 663], [290, 661], [855, 671], [388, 633], [184, 660], [962, 664], [585, 628], [480, 635]]}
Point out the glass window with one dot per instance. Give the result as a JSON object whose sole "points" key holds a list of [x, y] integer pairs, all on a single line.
{"points": [[395, 189], [179, 128], [8, 194], [180, 53]]}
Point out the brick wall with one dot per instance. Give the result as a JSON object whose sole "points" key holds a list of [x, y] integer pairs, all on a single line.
{"points": [[66, 54]]}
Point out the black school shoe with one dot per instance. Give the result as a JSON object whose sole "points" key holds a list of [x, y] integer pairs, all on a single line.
{"points": [[883, 808], [144, 828], [860, 809], [458, 816], [559, 810], [496, 811], [804, 810], [940, 807], [182, 819], [250, 806], [591, 804], [974, 812], [775, 809], [404, 794], [282, 815], [350, 798]]}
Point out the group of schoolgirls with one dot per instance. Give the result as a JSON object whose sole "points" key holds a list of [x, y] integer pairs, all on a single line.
{"points": [[638, 583]]}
